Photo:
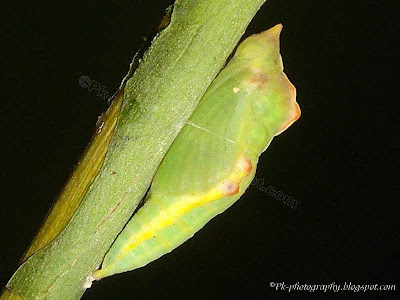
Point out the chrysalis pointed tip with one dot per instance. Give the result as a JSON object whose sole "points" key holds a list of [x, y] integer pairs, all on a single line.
{"points": [[274, 31], [278, 28], [258, 44]]}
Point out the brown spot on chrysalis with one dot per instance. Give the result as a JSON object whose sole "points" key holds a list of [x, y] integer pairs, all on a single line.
{"points": [[244, 164], [230, 188], [113, 172], [257, 80]]}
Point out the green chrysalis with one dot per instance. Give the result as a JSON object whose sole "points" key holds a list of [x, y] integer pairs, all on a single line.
{"points": [[213, 160]]}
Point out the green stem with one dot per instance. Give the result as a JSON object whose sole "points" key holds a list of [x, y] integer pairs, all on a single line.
{"points": [[158, 99]]}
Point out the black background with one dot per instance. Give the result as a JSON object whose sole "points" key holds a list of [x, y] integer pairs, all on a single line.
{"points": [[335, 161]]}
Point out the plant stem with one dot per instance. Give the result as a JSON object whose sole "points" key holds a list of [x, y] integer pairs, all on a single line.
{"points": [[157, 100]]}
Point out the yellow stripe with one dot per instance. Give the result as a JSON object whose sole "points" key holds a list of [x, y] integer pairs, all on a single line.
{"points": [[184, 205], [189, 229]]}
